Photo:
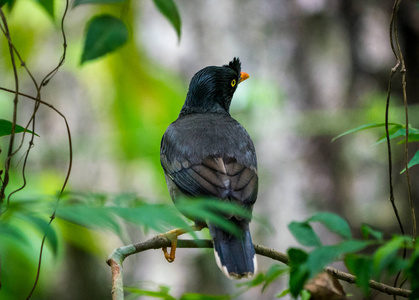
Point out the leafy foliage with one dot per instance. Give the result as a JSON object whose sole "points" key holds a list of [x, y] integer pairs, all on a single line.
{"points": [[107, 33], [99, 212], [105, 213], [361, 267], [397, 131], [363, 127], [385, 260], [275, 272]]}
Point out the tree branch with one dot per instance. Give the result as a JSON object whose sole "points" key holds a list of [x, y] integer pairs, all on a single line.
{"points": [[116, 259]]}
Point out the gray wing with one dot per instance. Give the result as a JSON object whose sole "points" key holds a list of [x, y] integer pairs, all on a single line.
{"points": [[218, 177]]}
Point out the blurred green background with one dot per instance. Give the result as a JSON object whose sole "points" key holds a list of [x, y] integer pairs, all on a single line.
{"points": [[317, 68]]}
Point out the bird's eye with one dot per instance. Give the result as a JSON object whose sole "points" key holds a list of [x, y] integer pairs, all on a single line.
{"points": [[233, 83]]}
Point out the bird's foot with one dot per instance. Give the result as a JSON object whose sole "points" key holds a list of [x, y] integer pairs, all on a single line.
{"points": [[172, 235]]}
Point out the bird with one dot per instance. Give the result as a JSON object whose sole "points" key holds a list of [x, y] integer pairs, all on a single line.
{"points": [[205, 152]]}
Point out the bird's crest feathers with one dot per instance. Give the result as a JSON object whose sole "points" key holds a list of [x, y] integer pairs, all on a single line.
{"points": [[235, 65]]}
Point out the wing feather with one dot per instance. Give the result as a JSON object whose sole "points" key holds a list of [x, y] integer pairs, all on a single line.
{"points": [[215, 177]]}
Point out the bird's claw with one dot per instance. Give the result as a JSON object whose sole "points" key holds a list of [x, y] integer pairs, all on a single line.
{"points": [[170, 257], [172, 236]]}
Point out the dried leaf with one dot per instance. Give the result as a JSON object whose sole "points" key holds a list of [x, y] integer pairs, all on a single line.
{"points": [[325, 287]]}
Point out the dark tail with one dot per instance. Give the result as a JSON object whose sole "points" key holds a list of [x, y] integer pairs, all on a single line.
{"points": [[235, 255]]}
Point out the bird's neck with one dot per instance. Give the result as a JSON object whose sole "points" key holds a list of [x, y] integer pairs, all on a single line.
{"points": [[200, 105]]}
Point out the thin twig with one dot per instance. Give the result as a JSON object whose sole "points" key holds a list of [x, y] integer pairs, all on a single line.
{"points": [[406, 145], [67, 175], [44, 82], [390, 163], [6, 32], [70, 144], [395, 47], [393, 21]]}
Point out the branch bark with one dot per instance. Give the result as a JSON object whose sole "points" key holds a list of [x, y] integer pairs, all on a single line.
{"points": [[116, 259]]}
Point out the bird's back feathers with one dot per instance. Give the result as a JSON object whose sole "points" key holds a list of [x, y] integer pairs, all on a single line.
{"points": [[206, 160]]}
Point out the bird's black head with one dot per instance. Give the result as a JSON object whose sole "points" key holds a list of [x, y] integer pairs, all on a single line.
{"points": [[212, 88]]}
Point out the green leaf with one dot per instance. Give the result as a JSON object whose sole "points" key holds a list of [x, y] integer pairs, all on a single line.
{"points": [[296, 256], [215, 212], [298, 278], [213, 218], [258, 280], [105, 34], [333, 222], [363, 127], [10, 3], [299, 273], [155, 216], [48, 5], [169, 9], [273, 273], [361, 267], [283, 293], [220, 207], [44, 228], [304, 234], [305, 295], [413, 162], [6, 128], [80, 2], [386, 255], [88, 216], [413, 273], [413, 137], [393, 133], [368, 231], [159, 217], [305, 266], [323, 256], [13, 232], [195, 296], [400, 131], [162, 294]]}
